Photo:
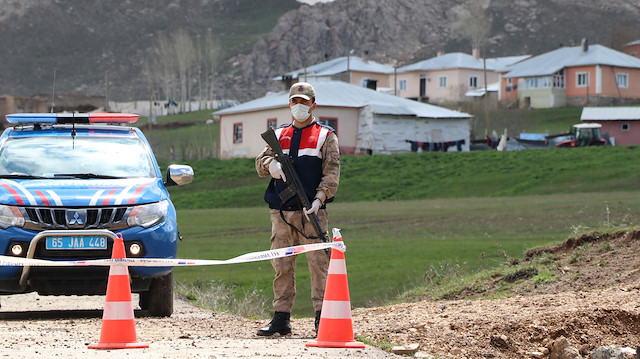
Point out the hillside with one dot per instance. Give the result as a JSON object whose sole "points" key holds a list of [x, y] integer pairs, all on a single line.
{"points": [[82, 40]]}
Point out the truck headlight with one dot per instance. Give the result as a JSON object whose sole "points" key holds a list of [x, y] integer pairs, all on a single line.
{"points": [[147, 215], [10, 216]]}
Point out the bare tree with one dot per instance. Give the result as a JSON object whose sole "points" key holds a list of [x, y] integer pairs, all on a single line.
{"points": [[185, 56], [474, 24], [622, 35], [180, 66], [164, 64], [211, 58]]}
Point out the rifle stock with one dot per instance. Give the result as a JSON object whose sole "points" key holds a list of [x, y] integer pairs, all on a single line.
{"points": [[294, 184]]}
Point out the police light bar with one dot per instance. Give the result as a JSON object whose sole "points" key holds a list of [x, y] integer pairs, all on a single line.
{"points": [[68, 118]]}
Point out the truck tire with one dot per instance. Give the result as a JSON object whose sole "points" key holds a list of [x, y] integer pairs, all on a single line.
{"points": [[158, 301]]}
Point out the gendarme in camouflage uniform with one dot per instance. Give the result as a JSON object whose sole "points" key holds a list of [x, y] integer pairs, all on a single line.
{"points": [[315, 153]]}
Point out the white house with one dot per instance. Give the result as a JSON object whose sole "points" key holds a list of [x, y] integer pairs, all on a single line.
{"points": [[365, 120]]}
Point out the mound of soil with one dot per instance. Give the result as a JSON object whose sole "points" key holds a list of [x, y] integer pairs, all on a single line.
{"points": [[594, 302]]}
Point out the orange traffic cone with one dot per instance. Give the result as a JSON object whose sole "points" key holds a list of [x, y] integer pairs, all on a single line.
{"points": [[118, 326], [336, 328]]}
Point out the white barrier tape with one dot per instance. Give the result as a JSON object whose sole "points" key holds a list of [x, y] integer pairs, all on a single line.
{"points": [[170, 262]]}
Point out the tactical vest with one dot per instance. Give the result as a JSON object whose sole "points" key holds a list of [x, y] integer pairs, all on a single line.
{"points": [[304, 146]]}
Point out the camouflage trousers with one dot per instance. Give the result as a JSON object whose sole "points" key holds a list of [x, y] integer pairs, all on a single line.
{"points": [[282, 235]]}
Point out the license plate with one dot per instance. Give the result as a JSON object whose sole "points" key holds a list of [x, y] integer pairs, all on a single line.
{"points": [[76, 242]]}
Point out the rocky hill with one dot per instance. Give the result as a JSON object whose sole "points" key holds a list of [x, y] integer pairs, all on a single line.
{"points": [[82, 40], [407, 31]]}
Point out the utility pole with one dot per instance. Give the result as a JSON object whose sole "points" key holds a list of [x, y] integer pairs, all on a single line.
{"points": [[150, 105], [106, 79], [487, 121]]}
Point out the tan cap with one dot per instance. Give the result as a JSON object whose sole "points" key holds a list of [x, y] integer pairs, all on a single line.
{"points": [[302, 89]]}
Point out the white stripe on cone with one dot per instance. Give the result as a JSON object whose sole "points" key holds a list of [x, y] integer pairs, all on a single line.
{"points": [[336, 309], [118, 311], [118, 270], [337, 266]]}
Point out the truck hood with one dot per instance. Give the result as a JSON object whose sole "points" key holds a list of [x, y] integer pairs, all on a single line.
{"points": [[81, 192]]}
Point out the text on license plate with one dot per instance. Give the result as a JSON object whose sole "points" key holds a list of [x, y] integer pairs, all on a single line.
{"points": [[77, 242]]}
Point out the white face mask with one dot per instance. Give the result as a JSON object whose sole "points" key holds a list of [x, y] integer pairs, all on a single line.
{"points": [[300, 112]]}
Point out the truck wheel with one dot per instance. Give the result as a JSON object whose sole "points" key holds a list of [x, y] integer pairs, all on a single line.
{"points": [[158, 301]]}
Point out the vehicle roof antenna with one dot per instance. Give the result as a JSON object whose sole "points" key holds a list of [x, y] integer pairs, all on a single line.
{"points": [[53, 91], [73, 133]]}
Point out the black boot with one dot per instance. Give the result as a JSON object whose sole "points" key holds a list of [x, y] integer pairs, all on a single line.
{"points": [[318, 320], [279, 324]]}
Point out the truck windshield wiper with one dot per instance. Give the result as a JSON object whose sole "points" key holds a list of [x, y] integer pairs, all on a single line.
{"points": [[22, 176], [84, 176]]}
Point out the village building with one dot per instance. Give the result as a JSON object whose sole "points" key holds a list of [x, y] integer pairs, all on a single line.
{"points": [[632, 48], [366, 121], [355, 70], [622, 124], [573, 76], [449, 77]]}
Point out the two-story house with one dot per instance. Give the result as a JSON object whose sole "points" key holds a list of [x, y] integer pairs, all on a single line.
{"points": [[447, 77], [573, 76]]}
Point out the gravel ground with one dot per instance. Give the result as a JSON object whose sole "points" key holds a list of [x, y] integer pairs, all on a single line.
{"points": [[34, 326]]}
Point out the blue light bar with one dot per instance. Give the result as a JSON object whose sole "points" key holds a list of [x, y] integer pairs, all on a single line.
{"points": [[24, 118], [68, 118]]}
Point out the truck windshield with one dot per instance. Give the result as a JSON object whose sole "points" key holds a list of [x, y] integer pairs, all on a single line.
{"points": [[79, 157]]}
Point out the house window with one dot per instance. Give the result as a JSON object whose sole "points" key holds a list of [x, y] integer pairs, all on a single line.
{"points": [[442, 81], [473, 82], [625, 127], [538, 82], [331, 122], [558, 79], [237, 132], [272, 122], [402, 85], [622, 79], [582, 79]]}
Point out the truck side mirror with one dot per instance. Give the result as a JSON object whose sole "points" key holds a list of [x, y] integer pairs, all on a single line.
{"points": [[178, 175]]}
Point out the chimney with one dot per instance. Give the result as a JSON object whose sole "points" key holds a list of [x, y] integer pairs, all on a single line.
{"points": [[475, 52], [585, 44], [365, 56], [440, 53]]}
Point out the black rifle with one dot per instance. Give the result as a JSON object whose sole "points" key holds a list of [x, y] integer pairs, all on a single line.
{"points": [[294, 185]]}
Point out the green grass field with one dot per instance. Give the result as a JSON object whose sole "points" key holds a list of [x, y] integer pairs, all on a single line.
{"points": [[391, 245]]}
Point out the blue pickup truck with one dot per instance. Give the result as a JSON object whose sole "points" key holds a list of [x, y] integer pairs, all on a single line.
{"points": [[75, 175]]}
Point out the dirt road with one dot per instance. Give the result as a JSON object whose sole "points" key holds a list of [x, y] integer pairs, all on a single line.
{"points": [[34, 326]]}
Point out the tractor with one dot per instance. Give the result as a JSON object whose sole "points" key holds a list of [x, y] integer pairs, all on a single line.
{"points": [[584, 134]]}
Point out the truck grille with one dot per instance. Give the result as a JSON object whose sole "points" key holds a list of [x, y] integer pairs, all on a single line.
{"points": [[45, 218]]}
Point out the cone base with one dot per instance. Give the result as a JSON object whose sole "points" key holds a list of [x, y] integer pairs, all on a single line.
{"points": [[327, 344], [118, 345]]}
